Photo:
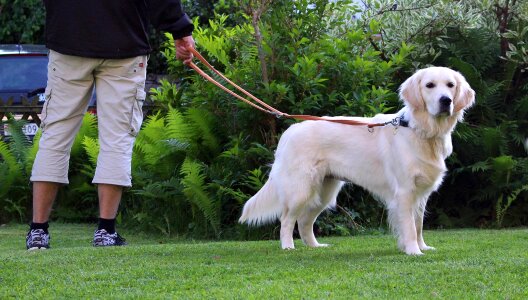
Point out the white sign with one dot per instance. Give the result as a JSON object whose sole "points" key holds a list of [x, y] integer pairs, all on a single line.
{"points": [[28, 129]]}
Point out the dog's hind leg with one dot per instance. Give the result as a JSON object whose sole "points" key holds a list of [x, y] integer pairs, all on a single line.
{"points": [[286, 231], [295, 202], [329, 190]]}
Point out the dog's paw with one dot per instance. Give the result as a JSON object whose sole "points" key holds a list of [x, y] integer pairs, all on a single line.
{"points": [[319, 245], [417, 253], [315, 244], [288, 247], [412, 250], [426, 248]]}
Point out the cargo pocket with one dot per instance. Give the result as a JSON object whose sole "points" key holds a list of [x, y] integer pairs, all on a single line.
{"points": [[137, 112], [44, 112]]}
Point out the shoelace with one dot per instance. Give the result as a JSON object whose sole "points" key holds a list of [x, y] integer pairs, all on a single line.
{"points": [[101, 237], [37, 236], [106, 238]]}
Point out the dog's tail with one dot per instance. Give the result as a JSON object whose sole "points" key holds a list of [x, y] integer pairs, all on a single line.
{"points": [[263, 207]]}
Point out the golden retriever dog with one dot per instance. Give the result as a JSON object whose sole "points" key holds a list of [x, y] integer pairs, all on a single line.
{"points": [[401, 164]]}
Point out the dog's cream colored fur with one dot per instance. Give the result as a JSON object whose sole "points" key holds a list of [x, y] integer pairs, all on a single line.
{"points": [[402, 166]]}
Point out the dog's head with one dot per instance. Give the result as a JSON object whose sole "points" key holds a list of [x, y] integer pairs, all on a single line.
{"points": [[438, 90], [436, 98]]}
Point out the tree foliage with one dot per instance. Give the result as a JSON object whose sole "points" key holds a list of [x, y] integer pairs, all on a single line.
{"points": [[21, 21]]}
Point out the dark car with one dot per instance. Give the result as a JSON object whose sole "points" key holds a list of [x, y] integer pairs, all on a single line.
{"points": [[23, 75], [23, 78]]}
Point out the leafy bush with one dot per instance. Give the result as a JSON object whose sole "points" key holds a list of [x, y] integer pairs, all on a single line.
{"points": [[208, 152], [490, 163]]}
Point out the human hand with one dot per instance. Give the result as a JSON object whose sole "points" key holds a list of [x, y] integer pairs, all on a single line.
{"points": [[182, 51]]}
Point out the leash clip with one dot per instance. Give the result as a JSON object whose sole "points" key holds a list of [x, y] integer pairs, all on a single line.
{"points": [[276, 114], [396, 123]]}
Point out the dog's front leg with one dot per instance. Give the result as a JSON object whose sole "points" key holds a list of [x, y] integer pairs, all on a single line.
{"points": [[401, 214], [419, 217]]}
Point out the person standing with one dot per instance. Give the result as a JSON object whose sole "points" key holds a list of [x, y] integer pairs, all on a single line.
{"points": [[102, 44]]}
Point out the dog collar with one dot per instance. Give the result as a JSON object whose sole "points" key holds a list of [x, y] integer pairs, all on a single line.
{"points": [[403, 122]]}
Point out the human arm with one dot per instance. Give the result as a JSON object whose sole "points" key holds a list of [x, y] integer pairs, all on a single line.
{"points": [[168, 15]]}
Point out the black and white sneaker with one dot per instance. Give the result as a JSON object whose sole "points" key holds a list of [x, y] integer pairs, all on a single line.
{"points": [[102, 239], [37, 239]]}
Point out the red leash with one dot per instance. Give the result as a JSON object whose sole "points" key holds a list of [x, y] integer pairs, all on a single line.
{"points": [[262, 106]]}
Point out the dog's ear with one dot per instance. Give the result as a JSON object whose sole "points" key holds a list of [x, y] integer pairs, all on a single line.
{"points": [[410, 92], [465, 95]]}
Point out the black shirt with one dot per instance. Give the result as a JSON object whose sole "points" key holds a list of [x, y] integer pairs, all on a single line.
{"points": [[111, 28]]}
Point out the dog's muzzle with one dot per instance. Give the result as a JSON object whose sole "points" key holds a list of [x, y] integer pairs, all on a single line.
{"points": [[445, 105]]}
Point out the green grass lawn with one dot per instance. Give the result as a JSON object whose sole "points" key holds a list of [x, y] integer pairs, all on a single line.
{"points": [[476, 264]]}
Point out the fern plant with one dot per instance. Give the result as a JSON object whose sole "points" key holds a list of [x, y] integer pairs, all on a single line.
{"points": [[169, 149], [16, 155], [195, 190], [10, 169], [502, 206]]}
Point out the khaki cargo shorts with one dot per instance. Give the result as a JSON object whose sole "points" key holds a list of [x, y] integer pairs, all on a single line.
{"points": [[119, 86]]}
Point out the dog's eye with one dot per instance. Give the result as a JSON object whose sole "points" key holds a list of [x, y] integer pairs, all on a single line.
{"points": [[430, 85], [450, 85]]}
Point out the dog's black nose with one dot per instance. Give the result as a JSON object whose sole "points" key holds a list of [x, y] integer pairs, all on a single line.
{"points": [[445, 101]]}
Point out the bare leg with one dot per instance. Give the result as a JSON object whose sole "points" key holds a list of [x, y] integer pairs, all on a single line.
{"points": [[44, 194], [109, 199]]}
